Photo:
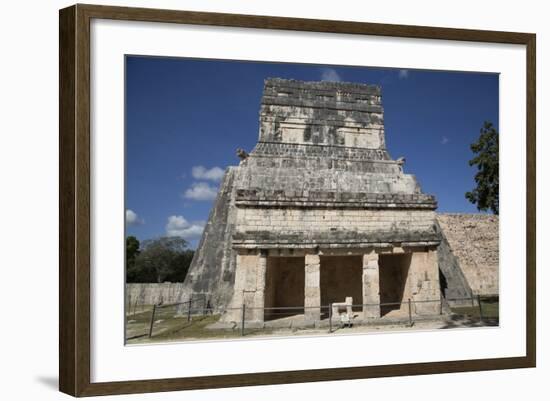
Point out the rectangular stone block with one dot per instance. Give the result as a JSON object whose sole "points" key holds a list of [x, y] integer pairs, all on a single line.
{"points": [[424, 283], [312, 290], [312, 277], [371, 286], [261, 271]]}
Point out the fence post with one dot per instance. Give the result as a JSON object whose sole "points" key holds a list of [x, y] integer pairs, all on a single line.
{"points": [[242, 320], [152, 320], [330, 318], [410, 314], [480, 309], [189, 310]]}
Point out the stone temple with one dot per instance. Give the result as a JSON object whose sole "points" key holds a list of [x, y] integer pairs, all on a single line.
{"points": [[319, 212]]}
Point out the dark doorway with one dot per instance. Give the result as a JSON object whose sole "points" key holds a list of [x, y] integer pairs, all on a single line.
{"points": [[341, 277], [284, 287], [394, 270]]}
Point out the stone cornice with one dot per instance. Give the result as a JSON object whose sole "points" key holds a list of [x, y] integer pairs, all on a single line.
{"points": [[317, 199]]}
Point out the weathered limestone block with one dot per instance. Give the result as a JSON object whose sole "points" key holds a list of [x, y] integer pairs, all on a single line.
{"points": [[259, 296], [364, 220], [312, 290], [246, 274], [424, 283], [246, 291], [371, 286], [337, 307]]}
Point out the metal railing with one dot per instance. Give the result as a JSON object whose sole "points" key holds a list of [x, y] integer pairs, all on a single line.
{"points": [[250, 319], [187, 308]]}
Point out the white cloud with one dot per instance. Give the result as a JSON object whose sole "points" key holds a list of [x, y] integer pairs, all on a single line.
{"points": [[178, 226], [132, 219], [444, 140], [403, 74], [202, 173], [201, 191], [329, 74]]}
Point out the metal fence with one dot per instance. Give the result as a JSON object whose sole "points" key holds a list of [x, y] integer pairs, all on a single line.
{"points": [[196, 317], [187, 310]]}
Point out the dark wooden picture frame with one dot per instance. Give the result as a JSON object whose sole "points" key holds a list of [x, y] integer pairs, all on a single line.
{"points": [[74, 203]]}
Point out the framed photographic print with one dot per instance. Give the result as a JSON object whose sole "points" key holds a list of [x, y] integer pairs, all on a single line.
{"points": [[297, 200]]}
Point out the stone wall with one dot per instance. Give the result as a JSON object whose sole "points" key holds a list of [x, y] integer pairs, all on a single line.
{"points": [[473, 239], [335, 114], [324, 173], [300, 227], [153, 293], [322, 220]]}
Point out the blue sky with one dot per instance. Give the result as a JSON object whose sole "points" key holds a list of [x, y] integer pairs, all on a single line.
{"points": [[186, 117]]}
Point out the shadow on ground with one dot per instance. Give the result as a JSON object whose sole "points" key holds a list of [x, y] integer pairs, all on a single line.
{"points": [[48, 381], [458, 321]]}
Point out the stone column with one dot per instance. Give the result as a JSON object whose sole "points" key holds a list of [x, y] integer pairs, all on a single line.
{"points": [[312, 290], [425, 289], [259, 296], [371, 286]]}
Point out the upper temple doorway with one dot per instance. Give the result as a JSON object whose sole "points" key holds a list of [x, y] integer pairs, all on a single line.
{"points": [[284, 289], [393, 273], [341, 277]]}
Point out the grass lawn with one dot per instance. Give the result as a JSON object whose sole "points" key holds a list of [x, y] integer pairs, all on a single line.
{"points": [[169, 326], [489, 310]]}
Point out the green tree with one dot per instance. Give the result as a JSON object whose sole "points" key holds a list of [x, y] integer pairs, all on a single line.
{"points": [[180, 266], [485, 149], [161, 259], [132, 250]]}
